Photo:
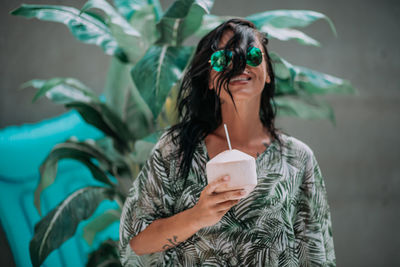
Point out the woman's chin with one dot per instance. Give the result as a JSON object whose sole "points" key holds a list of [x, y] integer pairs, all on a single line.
{"points": [[242, 95]]}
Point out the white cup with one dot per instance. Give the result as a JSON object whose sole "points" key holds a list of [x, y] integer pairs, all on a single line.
{"points": [[240, 167]]}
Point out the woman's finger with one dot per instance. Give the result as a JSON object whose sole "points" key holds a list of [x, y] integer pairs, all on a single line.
{"points": [[227, 205], [228, 195], [214, 184]]}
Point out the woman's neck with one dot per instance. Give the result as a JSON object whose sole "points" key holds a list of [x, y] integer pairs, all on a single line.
{"points": [[244, 125]]}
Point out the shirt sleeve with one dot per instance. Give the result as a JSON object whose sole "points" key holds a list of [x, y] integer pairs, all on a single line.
{"points": [[145, 203], [312, 222]]}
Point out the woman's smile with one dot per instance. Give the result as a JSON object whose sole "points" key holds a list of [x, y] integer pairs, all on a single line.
{"points": [[241, 79]]}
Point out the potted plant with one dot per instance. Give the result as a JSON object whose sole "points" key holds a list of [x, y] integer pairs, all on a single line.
{"points": [[149, 57]]}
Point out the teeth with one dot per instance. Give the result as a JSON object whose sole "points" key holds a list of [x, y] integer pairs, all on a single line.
{"points": [[240, 79]]}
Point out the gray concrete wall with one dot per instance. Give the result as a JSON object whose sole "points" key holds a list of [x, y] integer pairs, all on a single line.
{"points": [[358, 156]]}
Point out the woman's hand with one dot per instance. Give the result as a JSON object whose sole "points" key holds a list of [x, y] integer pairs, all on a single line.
{"points": [[212, 206], [208, 211]]}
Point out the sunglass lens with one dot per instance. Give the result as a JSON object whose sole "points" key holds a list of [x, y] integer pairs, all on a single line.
{"points": [[221, 59], [254, 57]]}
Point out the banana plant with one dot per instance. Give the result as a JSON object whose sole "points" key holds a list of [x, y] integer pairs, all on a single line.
{"points": [[149, 57]]}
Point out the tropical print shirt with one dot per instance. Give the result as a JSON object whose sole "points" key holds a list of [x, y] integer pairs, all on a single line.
{"points": [[285, 221]]}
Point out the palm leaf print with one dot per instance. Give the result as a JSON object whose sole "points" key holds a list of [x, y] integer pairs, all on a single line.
{"points": [[285, 221]]}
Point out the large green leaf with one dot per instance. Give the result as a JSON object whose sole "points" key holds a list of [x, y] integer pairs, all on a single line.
{"points": [[92, 115], [305, 107], [127, 37], [124, 169], [62, 90], [104, 119], [105, 145], [282, 68], [285, 34], [100, 223], [157, 8], [182, 20], [129, 7], [124, 99], [84, 27], [112, 15], [307, 80], [144, 147], [137, 114], [106, 255], [284, 87], [320, 83], [84, 152], [288, 18], [210, 22], [145, 21], [117, 83], [159, 69], [60, 224]]}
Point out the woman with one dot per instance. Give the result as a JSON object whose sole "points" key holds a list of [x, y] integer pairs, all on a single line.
{"points": [[172, 217]]}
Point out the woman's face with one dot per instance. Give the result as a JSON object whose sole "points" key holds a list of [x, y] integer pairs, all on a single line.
{"points": [[245, 86]]}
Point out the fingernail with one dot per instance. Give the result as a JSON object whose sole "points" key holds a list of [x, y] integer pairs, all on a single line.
{"points": [[226, 178]]}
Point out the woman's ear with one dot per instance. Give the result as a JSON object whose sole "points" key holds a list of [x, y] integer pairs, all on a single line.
{"points": [[267, 79], [210, 83]]}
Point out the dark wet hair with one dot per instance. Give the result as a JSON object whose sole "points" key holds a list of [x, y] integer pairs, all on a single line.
{"points": [[199, 108]]}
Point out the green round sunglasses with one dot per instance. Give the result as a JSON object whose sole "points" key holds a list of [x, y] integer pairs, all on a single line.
{"points": [[222, 58]]}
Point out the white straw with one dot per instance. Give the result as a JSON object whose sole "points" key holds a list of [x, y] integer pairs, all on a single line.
{"points": [[227, 137]]}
